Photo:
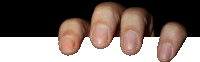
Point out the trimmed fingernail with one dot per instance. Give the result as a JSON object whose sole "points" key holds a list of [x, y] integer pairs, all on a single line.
{"points": [[130, 40], [67, 44], [100, 35], [165, 51]]}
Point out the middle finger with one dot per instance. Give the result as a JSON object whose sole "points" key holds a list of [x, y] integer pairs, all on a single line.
{"points": [[105, 19]]}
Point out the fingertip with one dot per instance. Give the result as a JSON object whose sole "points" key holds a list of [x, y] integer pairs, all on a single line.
{"points": [[100, 36], [172, 37], [71, 33], [130, 43], [131, 52], [68, 45], [100, 46], [133, 24], [165, 51], [69, 52]]}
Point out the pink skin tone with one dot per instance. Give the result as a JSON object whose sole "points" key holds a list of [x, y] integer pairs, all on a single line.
{"points": [[111, 19]]}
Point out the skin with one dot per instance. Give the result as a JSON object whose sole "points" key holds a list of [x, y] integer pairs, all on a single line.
{"points": [[132, 24]]}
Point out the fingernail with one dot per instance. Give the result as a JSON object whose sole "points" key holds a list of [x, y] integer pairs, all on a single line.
{"points": [[130, 40], [67, 43], [165, 51], [100, 35]]}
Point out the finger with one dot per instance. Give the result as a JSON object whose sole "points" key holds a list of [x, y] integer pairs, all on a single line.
{"points": [[71, 34], [133, 24], [105, 19], [171, 39]]}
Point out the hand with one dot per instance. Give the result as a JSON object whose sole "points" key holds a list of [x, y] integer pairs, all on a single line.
{"points": [[110, 20]]}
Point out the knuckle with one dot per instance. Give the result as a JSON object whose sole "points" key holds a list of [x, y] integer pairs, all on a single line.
{"points": [[104, 13], [107, 4], [138, 10], [138, 13], [104, 9], [72, 21], [175, 28], [76, 25], [107, 7], [108, 10], [129, 13]]}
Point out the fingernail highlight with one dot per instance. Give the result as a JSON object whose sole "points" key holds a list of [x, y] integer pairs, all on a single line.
{"points": [[100, 35], [130, 40], [165, 51]]}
